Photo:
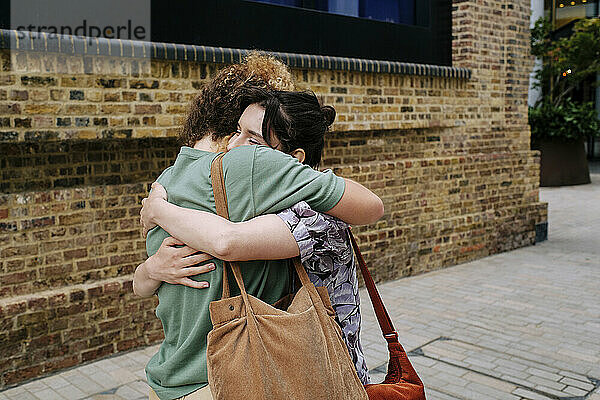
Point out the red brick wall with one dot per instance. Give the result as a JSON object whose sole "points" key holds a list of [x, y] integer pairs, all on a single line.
{"points": [[81, 138]]}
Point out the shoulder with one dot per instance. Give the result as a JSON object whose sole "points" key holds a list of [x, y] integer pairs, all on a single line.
{"points": [[165, 175], [258, 155], [239, 154], [265, 155], [254, 151]]}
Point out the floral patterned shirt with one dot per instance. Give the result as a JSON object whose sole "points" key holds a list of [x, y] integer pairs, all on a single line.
{"points": [[327, 255]]}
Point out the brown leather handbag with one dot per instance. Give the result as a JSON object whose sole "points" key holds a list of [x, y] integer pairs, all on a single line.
{"points": [[401, 381], [257, 351]]}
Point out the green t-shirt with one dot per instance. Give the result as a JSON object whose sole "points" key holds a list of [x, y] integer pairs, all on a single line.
{"points": [[258, 180]]}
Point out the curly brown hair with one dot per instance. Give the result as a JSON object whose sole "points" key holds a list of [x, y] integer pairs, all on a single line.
{"points": [[217, 108]]}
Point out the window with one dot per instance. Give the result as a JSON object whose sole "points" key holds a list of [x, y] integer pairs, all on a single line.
{"points": [[394, 11], [396, 30]]}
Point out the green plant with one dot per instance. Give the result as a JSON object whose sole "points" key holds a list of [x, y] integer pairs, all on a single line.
{"points": [[566, 121], [567, 61]]}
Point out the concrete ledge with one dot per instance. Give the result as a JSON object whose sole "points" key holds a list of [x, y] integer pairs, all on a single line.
{"points": [[71, 45]]}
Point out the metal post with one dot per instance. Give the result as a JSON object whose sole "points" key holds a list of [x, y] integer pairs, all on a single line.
{"points": [[537, 11]]}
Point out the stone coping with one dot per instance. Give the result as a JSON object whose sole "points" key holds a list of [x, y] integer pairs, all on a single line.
{"points": [[79, 45]]}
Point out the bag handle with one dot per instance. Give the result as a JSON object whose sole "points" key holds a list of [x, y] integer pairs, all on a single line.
{"points": [[218, 183], [385, 322], [217, 178]]}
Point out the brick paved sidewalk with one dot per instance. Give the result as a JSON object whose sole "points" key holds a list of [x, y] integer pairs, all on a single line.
{"points": [[518, 325]]}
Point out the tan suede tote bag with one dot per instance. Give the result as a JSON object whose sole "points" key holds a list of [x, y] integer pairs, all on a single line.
{"points": [[256, 351]]}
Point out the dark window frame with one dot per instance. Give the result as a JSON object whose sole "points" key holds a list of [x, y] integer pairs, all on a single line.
{"points": [[251, 25]]}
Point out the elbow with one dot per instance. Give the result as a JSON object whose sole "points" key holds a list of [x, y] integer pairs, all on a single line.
{"points": [[379, 209], [371, 210], [224, 245], [376, 210], [139, 285], [137, 292]]}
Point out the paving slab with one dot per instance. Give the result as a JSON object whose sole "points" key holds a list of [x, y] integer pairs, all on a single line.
{"points": [[524, 324]]}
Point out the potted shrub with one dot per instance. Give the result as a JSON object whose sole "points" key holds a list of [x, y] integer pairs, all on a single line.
{"points": [[559, 132], [559, 124]]}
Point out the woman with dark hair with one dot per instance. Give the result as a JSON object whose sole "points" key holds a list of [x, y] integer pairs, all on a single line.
{"points": [[297, 123]]}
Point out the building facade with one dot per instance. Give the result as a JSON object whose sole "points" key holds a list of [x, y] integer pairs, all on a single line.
{"points": [[86, 126]]}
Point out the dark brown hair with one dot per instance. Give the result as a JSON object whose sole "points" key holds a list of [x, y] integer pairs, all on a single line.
{"points": [[218, 106], [298, 120]]}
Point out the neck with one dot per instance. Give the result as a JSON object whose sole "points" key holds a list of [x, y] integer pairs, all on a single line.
{"points": [[207, 144]]}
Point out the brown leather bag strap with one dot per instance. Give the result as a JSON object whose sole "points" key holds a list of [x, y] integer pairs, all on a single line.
{"points": [[304, 279], [217, 178], [218, 183], [385, 322]]}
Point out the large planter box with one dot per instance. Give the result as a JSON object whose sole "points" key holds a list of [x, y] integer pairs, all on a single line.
{"points": [[563, 163]]}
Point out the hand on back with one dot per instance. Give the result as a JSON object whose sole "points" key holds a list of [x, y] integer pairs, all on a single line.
{"points": [[174, 263]]}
